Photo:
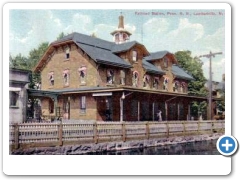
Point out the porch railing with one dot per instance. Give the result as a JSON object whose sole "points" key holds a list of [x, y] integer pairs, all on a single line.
{"points": [[67, 133]]}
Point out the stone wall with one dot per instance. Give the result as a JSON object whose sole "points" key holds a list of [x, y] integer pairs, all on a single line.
{"points": [[112, 146]]}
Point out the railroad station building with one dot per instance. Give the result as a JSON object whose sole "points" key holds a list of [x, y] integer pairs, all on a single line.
{"points": [[85, 77]]}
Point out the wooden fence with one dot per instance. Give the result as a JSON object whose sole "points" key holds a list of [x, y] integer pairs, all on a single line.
{"points": [[68, 133]]}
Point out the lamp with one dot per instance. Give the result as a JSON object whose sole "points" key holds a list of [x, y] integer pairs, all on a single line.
{"points": [[123, 96]]}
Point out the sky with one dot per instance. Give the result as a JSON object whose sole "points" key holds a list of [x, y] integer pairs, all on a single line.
{"points": [[199, 31]]}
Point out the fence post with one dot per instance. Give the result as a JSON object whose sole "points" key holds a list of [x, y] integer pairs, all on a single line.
{"points": [[212, 127], [167, 126], [60, 134], [16, 136], [147, 130], [123, 131], [95, 133], [223, 128], [184, 128], [198, 129]]}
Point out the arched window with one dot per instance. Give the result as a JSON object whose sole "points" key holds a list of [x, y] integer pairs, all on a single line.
{"points": [[175, 86], [67, 53], [110, 76], [155, 82], [82, 74], [165, 83], [183, 87], [135, 79], [146, 80], [51, 78], [66, 76], [122, 76], [134, 55]]}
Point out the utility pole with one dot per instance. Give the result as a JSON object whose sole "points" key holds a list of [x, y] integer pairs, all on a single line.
{"points": [[210, 55]]}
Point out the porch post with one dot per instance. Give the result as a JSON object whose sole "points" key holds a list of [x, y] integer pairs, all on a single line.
{"points": [[178, 111], [166, 111], [153, 111], [121, 109], [55, 105], [138, 111], [189, 115]]}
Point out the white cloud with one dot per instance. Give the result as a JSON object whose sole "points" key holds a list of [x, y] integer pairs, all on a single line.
{"points": [[131, 28], [79, 23], [218, 68], [43, 29], [183, 37], [156, 25], [215, 41], [186, 36], [156, 34]]}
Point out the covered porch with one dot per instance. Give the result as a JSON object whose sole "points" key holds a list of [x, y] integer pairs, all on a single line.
{"points": [[117, 104]]}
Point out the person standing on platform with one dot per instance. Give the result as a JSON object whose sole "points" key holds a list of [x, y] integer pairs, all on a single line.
{"points": [[159, 114]]}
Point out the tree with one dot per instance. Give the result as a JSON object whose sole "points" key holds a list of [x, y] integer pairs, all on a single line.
{"points": [[193, 66], [61, 35], [29, 62], [36, 54], [19, 61]]}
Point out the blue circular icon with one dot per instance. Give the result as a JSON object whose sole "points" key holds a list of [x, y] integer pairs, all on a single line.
{"points": [[227, 145]]}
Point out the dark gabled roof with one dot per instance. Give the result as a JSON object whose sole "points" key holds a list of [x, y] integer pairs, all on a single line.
{"points": [[99, 50], [156, 55], [19, 70], [180, 73], [216, 85], [123, 47], [221, 86], [150, 68], [85, 39], [103, 56]]}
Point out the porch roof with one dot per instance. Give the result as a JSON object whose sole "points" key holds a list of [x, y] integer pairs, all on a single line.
{"points": [[35, 92]]}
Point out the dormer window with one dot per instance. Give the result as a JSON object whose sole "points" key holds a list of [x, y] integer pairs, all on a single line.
{"points": [[66, 77], [82, 74], [110, 76], [165, 62], [67, 53], [134, 55], [51, 78], [135, 79]]}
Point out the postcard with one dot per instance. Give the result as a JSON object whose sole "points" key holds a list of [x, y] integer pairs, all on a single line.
{"points": [[126, 89]]}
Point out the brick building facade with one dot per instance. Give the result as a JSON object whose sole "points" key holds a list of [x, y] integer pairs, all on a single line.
{"points": [[84, 77]]}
